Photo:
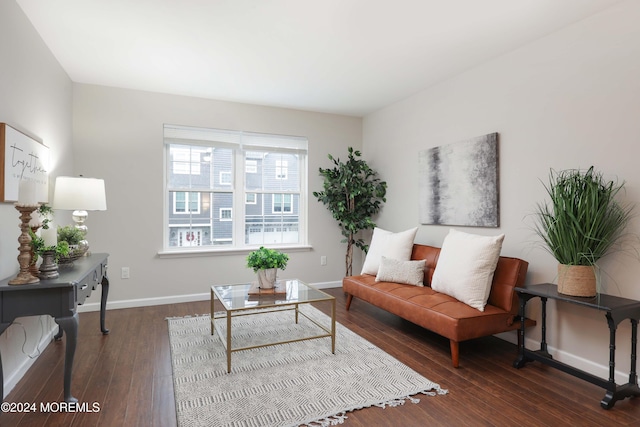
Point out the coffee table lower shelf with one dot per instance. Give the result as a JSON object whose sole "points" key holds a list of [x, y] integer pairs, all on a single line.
{"points": [[227, 337]]}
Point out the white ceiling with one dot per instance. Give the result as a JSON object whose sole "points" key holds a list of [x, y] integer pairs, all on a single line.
{"points": [[341, 56]]}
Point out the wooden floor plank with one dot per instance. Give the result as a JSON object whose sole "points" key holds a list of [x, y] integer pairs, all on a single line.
{"points": [[128, 373]]}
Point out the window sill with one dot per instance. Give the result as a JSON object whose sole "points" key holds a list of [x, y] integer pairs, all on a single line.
{"points": [[200, 252]]}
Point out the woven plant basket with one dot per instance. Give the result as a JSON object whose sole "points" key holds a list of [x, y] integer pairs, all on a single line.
{"points": [[577, 280]]}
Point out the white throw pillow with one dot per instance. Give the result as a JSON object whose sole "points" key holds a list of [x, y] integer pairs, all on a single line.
{"points": [[407, 272], [389, 244], [465, 267]]}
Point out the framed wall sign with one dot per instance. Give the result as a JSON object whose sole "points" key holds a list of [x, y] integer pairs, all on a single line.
{"points": [[22, 157]]}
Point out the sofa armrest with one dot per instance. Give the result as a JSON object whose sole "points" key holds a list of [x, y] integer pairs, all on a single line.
{"points": [[510, 273]]}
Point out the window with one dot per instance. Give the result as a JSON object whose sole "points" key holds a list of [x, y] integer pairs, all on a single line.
{"points": [[225, 214], [281, 169], [225, 178], [282, 203], [251, 166], [186, 202], [234, 190]]}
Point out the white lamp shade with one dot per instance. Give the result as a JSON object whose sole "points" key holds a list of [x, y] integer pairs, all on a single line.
{"points": [[79, 193]]}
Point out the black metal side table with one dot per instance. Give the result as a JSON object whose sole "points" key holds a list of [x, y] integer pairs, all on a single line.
{"points": [[616, 310]]}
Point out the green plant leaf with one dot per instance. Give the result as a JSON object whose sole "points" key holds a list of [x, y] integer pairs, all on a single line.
{"points": [[582, 221], [353, 193]]}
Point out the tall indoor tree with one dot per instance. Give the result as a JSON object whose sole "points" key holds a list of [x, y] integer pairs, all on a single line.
{"points": [[353, 193]]}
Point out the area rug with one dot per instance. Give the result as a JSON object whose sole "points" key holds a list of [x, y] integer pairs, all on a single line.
{"points": [[287, 384]]}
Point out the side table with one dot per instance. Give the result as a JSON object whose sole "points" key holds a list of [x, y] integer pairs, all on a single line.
{"points": [[615, 309], [59, 298]]}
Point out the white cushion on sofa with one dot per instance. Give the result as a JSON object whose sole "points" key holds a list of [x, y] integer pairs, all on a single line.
{"points": [[389, 244], [407, 272], [465, 267]]}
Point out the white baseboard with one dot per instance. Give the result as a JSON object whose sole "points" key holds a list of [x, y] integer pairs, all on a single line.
{"points": [[175, 299], [12, 378]]}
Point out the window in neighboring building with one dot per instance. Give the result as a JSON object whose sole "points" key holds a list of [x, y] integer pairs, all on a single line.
{"points": [[186, 202], [225, 178], [225, 214], [282, 203], [282, 169], [251, 166]]}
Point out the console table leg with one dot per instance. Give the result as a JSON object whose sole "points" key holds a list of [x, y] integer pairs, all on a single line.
{"points": [[70, 326], [58, 335], [612, 349], [103, 304], [543, 342], [1, 380], [633, 376], [521, 360]]}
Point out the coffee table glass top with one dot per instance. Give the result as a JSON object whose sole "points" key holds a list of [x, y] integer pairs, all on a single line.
{"points": [[236, 297]]}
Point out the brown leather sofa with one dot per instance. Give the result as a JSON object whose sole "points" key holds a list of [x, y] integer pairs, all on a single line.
{"points": [[441, 313]]}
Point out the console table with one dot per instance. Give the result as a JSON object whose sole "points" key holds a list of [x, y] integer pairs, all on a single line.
{"points": [[59, 298], [614, 308]]}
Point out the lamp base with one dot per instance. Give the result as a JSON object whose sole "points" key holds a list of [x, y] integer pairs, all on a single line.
{"points": [[80, 217]]}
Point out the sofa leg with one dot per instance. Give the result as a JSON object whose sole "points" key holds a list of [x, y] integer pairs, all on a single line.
{"points": [[455, 353], [349, 299]]}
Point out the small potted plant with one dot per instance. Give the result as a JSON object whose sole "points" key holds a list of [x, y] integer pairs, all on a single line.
{"points": [[73, 236], [266, 263], [50, 255], [582, 223]]}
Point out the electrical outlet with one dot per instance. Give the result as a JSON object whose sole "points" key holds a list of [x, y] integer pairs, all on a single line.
{"points": [[125, 273], [323, 260]]}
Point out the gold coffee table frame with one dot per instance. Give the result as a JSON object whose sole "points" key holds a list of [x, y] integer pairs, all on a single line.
{"points": [[236, 302]]}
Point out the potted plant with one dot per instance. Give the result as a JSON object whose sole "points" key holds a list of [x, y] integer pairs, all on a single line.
{"points": [[353, 193], [266, 263], [582, 223], [73, 236], [50, 255]]}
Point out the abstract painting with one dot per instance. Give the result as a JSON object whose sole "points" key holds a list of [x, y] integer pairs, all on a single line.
{"points": [[459, 183]]}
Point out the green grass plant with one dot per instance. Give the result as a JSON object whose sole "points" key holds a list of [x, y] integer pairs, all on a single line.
{"points": [[583, 220]]}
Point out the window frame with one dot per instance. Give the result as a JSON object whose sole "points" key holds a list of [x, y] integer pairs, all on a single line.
{"points": [[237, 188]]}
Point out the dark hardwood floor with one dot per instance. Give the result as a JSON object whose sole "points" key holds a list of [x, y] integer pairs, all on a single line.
{"points": [[128, 374]]}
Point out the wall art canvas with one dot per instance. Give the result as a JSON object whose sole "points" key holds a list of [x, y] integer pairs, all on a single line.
{"points": [[22, 158], [459, 183]]}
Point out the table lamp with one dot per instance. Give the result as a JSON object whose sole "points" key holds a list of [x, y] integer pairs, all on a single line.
{"points": [[80, 195]]}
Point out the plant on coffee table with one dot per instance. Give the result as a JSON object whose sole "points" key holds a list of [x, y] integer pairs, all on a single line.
{"points": [[266, 262]]}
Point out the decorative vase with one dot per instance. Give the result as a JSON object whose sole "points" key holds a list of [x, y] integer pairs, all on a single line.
{"points": [[49, 268], [577, 280], [267, 278]]}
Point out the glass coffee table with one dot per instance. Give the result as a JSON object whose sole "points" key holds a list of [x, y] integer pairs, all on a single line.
{"points": [[247, 299]]}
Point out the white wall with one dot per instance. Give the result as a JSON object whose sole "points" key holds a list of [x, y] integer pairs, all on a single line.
{"points": [[35, 98], [569, 100], [118, 136]]}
